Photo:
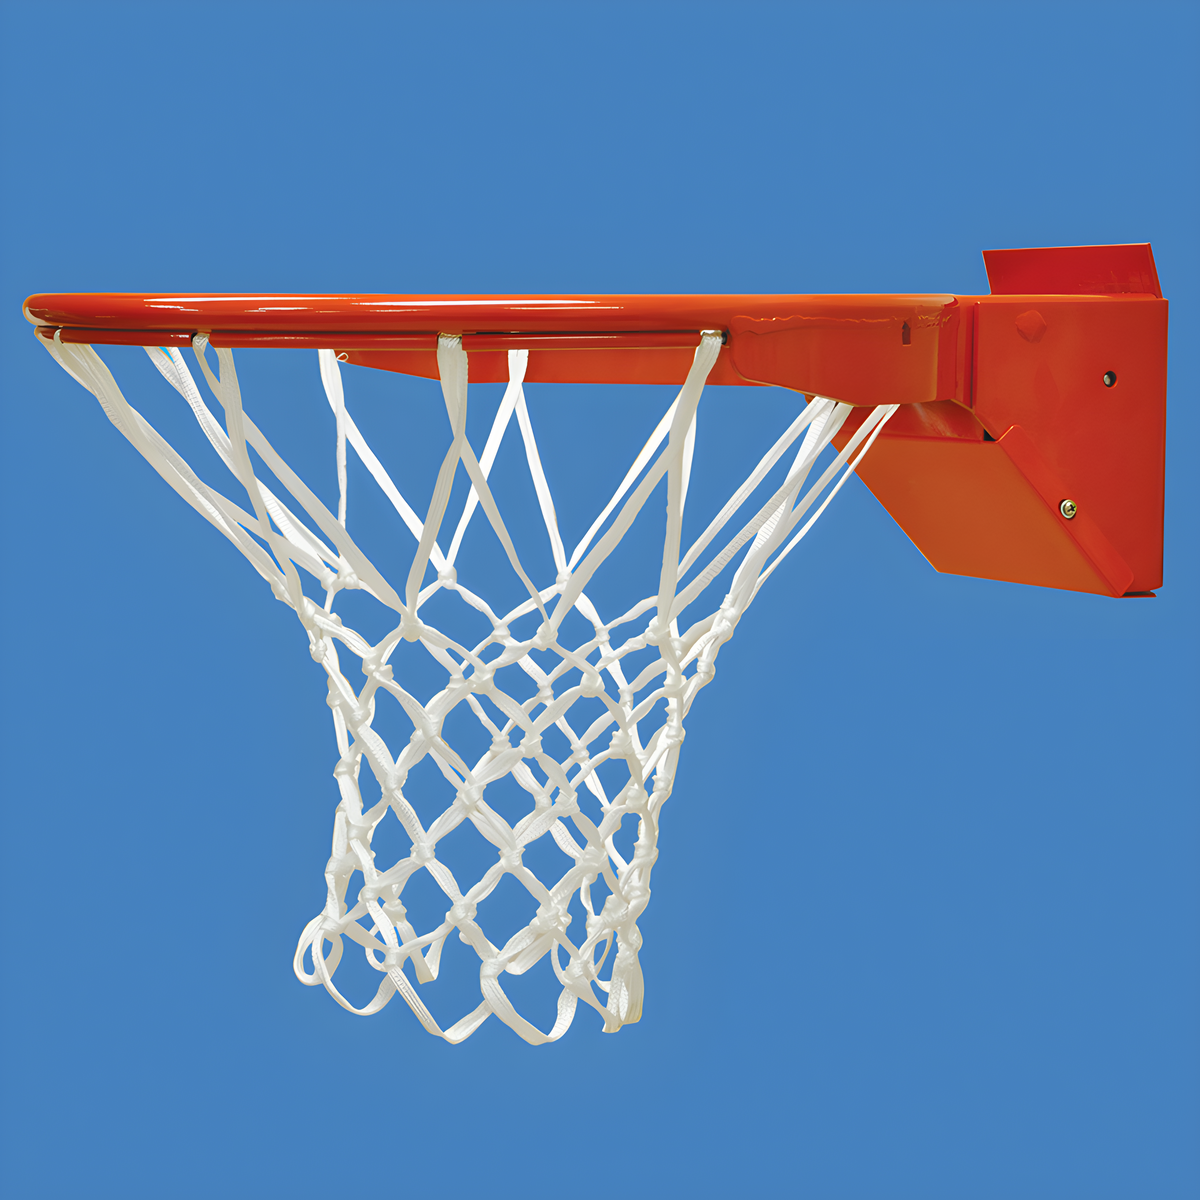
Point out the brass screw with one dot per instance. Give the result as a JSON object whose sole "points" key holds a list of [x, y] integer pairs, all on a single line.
{"points": [[1068, 508]]}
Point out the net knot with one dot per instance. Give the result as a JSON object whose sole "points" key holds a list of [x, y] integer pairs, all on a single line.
{"points": [[566, 804], [645, 856], [461, 913], [544, 638], [411, 627], [500, 743], [510, 859], [470, 796], [633, 796], [591, 684], [726, 620], [531, 745], [422, 853], [673, 735], [447, 576], [621, 744], [552, 918], [592, 860], [481, 677], [578, 977], [344, 578], [319, 624], [562, 579]]}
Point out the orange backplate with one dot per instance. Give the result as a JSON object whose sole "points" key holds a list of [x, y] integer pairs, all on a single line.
{"points": [[1051, 389]]}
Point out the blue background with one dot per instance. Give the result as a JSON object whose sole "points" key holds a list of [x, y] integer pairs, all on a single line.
{"points": [[956, 956]]}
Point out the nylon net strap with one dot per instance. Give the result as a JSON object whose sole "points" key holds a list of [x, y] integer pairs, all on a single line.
{"points": [[635, 725]]}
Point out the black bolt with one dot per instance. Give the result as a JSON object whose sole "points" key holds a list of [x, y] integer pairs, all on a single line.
{"points": [[1110, 378]]}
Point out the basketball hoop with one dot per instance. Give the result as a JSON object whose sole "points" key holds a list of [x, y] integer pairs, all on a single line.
{"points": [[898, 379]]}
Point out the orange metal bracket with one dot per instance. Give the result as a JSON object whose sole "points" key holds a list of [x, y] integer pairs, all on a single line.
{"points": [[1063, 370]]}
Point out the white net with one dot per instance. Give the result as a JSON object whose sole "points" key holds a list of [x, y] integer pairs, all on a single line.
{"points": [[586, 745]]}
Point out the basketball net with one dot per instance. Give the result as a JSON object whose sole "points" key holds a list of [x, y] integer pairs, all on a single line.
{"points": [[634, 724]]}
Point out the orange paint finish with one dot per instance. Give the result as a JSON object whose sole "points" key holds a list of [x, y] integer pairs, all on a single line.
{"points": [[849, 347], [1105, 443], [901, 351], [114, 337], [1074, 271], [1051, 388], [1049, 429], [970, 510], [853, 347]]}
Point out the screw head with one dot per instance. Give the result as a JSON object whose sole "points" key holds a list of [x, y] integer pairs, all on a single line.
{"points": [[1110, 378], [1068, 508]]}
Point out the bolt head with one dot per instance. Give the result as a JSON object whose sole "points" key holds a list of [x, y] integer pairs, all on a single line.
{"points": [[1068, 508], [1110, 378]]}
